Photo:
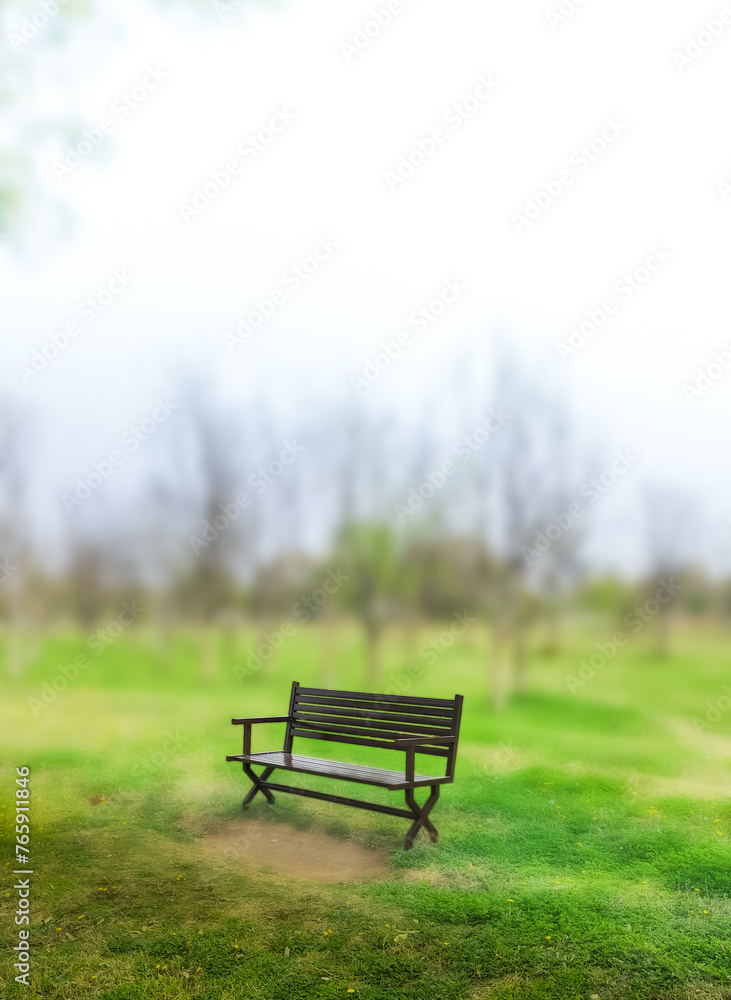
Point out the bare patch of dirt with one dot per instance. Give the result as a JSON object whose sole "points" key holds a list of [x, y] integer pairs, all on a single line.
{"points": [[302, 853]]}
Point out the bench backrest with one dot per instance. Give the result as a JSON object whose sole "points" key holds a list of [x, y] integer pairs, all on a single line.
{"points": [[373, 719]]}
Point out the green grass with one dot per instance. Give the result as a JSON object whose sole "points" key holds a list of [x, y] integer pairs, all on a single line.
{"points": [[584, 846]]}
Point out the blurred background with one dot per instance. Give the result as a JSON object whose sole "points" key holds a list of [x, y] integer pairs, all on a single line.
{"points": [[381, 347], [271, 370]]}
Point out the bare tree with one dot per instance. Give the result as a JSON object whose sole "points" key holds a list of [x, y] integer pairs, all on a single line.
{"points": [[525, 475], [15, 451], [363, 462], [213, 446], [671, 530]]}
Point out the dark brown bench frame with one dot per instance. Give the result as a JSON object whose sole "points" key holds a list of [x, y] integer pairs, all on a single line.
{"points": [[397, 722]]}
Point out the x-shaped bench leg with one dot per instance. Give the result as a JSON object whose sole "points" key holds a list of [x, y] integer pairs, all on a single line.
{"points": [[257, 781], [422, 814]]}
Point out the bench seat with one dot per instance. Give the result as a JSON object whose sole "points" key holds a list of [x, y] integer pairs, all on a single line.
{"points": [[337, 769]]}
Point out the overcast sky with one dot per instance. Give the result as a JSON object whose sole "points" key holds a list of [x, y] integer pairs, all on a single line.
{"points": [[502, 97]]}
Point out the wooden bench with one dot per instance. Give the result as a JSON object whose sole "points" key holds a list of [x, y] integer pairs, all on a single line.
{"points": [[396, 722]]}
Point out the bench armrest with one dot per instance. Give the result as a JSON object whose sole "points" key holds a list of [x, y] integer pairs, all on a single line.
{"points": [[266, 718], [247, 724], [410, 743]]}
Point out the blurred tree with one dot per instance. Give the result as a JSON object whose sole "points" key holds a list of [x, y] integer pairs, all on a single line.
{"points": [[448, 574], [362, 458], [15, 537], [366, 553], [527, 473], [41, 55], [216, 452], [672, 533], [89, 582]]}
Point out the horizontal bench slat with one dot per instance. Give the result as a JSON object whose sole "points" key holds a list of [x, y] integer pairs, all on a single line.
{"points": [[314, 734], [356, 704], [352, 719], [365, 733], [392, 698], [311, 734], [444, 724]]}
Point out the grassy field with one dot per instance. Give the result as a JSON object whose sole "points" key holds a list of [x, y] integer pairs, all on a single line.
{"points": [[584, 848]]}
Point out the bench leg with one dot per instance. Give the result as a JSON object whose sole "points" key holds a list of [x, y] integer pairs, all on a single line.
{"points": [[422, 817], [257, 781]]}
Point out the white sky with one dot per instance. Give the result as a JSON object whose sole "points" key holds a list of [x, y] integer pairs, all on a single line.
{"points": [[324, 177]]}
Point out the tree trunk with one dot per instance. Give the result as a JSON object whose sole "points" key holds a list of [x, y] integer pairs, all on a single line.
{"points": [[14, 657], [499, 668], [228, 646], [520, 661], [166, 640], [267, 661], [328, 650], [14, 660], [411, 639], [209, 653], [554, 640], [161, 633], [504, 639], [662, 643], [373, 659]]}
